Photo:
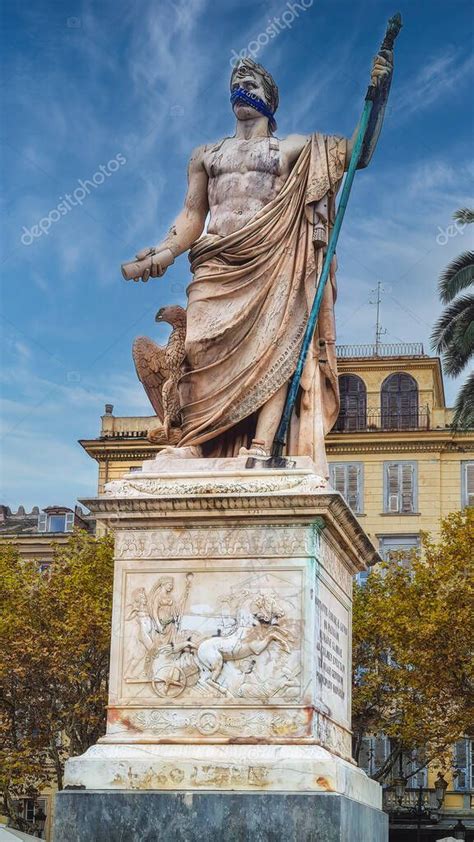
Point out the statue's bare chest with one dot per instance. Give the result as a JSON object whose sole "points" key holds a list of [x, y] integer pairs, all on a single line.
{"points": [[234, 157]]}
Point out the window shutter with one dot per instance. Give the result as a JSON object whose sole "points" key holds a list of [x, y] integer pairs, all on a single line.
{"points": [[42, 522], [365, 755], [353, 487], [393, 488], [338, 479], [460, 761], [69, 522], [468, 483], [407, 487], [381, 748]]}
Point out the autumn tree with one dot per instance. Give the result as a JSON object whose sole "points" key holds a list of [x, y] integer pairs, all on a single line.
{"points": [[54, 662], [412, 648]]}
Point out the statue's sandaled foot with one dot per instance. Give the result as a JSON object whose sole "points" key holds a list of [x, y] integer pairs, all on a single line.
{"points": [[257, 448]]}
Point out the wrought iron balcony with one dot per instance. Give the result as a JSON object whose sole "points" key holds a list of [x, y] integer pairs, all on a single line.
{"points": [[375, 420], [383, 349]]}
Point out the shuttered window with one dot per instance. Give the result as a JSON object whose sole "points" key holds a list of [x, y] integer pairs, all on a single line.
{"points": [[69, 522], [400, 487], [353, 410], [347, 478], [463, 765], [373, 753], [398, 547], [411, 763], [467, 484], [399, 398]]}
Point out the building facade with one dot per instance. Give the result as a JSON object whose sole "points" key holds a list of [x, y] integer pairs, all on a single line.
{"points": [[37, 533], [394, 457]]}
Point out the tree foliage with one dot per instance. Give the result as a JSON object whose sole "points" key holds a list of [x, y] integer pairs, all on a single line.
{"points": [[412, 647], [54, 662], [453, 333]]}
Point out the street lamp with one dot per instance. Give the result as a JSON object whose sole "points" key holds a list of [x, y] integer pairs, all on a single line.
{"points": [[459, 830], [440, 788]]}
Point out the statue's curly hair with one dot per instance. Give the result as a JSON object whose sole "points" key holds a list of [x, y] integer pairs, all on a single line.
{"points": [[269, 85]]}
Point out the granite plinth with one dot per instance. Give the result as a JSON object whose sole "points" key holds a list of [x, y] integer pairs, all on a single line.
{"points": [[94, 816]]}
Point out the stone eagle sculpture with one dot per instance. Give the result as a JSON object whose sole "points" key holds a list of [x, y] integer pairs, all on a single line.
{"points": [[159, 369]]}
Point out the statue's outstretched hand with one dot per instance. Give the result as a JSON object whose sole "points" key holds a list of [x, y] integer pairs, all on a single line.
{"points": [[382, 67], [150, 263]]}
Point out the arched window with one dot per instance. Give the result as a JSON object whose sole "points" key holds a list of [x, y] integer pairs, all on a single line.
{"points": [[400, 402], [353, 411]]}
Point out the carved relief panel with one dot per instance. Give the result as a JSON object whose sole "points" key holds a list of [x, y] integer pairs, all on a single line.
{"points": [[195, 634]]}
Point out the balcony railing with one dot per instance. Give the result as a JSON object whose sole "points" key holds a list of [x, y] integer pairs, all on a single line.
{"points": [[376, 420], [411, 802], [383, 349]]}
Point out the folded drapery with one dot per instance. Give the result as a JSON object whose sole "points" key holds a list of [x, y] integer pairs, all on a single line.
{"points": [[248, 305]]}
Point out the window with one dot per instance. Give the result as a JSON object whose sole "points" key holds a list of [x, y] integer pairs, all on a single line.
{"points": [[28, 808], [399, 396], [347, 478], [376, 749], [467, 484], [373, 753], [43, 566], [464, 765], [400, 487], [63, 522], [396, 545], [353, 412]]}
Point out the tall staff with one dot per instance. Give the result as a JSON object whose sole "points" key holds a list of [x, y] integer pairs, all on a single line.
{"points": [[279, 442]]}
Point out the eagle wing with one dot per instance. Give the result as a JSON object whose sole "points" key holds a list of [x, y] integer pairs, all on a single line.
{"points": [[152, 369]]}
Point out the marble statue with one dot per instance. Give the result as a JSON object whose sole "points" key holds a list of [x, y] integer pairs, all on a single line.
{"points": [[269, 205]]}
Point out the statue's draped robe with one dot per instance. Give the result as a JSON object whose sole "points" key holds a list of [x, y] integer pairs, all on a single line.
{"points": [[248, 306]]}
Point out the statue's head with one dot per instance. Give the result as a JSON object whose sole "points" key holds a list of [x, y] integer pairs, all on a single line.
{"points": [[253, 79]]}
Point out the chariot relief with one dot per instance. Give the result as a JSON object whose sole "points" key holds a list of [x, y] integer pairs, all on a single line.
{"points": [[242, 643]]}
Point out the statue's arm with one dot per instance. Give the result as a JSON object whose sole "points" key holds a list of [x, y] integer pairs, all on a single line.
{"points": [[381, 77], [188, 225]]}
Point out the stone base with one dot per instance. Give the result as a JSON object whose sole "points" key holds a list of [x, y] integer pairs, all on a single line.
{"points": [[94, 816], [244, 768]]}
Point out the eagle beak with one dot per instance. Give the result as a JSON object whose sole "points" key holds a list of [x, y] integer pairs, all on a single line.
{"points": [[159, 316]]}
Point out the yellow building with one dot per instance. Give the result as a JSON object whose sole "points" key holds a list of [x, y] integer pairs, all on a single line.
{"points": [[400, 466]]}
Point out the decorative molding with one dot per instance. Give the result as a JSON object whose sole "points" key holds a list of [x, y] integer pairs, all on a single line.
{"points": [[161, 487], [338, 446], [218, 542]]}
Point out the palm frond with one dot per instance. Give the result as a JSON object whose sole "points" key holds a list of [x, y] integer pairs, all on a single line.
{"points": [[465, 215], [458, 275], [460, 348], [464, 406], [462, 308]]}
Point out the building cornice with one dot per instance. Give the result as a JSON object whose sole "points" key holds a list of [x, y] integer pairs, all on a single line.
{"points": [[444, 441], [123, 449]]}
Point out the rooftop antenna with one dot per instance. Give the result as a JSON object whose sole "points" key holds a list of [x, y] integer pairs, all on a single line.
{"points": [[379, 330]]}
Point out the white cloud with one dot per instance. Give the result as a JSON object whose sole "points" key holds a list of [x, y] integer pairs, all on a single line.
{"points": [[436, 79]]}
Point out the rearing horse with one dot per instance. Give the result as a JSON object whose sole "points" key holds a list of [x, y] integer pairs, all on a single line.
{"points": [[242, 642]]}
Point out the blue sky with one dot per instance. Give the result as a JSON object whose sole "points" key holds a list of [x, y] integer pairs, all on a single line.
{"points": [[85, 82]]}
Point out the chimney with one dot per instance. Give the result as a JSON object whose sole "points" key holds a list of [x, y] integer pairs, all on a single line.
{"points": [[107, 428]]}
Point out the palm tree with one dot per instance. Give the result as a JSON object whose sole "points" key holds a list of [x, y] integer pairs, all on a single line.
{"points": [[453, 333]]}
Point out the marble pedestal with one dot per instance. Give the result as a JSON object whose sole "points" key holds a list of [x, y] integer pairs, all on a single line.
{"points": [[230, 660]]}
